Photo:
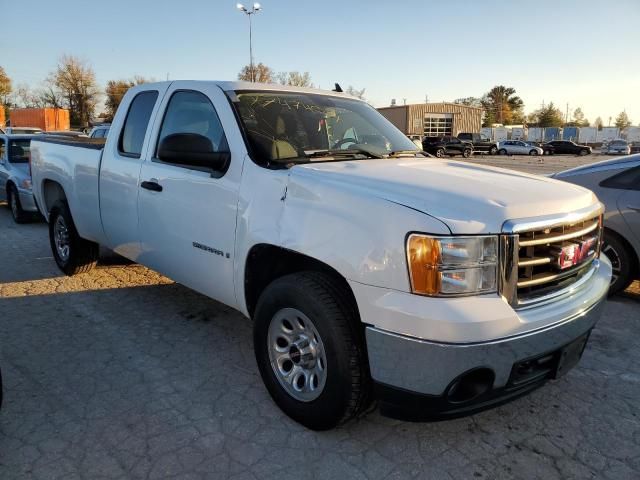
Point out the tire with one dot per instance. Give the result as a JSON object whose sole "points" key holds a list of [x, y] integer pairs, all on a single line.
{"points": [[533, 152], [339, 369], [622, 259], [466, 153], [72, 253], [583, 152], [13, 199], [440, 153], [502, 151], [493, 150]]}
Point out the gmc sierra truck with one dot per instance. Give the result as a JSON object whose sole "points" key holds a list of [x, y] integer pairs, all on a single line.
{"points": [[369, 269]]}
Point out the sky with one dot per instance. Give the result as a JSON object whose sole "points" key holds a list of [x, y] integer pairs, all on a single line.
{"points": [[584, 53]]}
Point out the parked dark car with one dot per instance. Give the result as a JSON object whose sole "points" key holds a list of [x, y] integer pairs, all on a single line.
{"points": [[547, 148], [481, 143], [616, 182], [442, 146], [571, 148]]}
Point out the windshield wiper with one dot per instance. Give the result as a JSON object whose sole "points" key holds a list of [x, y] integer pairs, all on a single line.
{"points": [[350, 152], [397, 153]]}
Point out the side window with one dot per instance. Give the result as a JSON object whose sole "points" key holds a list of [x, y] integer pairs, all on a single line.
{"points": [[192, 112], [627, 180], [135, 125]]}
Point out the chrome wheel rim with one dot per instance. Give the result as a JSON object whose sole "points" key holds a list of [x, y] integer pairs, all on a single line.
{"points": [[61, 238], [614, 258], [439, 153], [13, 202], [297, 354]]}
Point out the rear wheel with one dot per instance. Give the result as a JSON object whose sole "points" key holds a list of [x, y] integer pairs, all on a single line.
{"points": [[440, 152], [493, 150], [622, 262], [309, 346], [533, 152], [502, 151], [72, 253], [13, 198]]}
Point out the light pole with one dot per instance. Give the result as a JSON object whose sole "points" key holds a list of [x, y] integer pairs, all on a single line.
{"points": [[255, 9]]}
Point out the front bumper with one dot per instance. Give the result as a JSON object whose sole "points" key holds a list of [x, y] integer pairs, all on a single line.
{"points": [[27, 200], [426, 369]]}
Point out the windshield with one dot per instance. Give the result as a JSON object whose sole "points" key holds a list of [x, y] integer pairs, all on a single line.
{"points": [[19, 151], [286, 127]]}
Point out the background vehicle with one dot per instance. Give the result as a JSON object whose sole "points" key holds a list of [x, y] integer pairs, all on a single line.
{"points": [[617, 147], [65, 133], [546, 148], [363, 263], [481, 143], [100, 131], [442, 146], [617, 184], [571, 148], [517, 147], [15, 176], [22, 130]]}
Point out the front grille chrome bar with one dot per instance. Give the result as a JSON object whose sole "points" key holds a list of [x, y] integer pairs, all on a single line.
{"points": [[558, 238]]}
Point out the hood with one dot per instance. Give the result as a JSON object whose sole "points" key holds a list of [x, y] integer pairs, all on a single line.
{"points": [[469, 198]]}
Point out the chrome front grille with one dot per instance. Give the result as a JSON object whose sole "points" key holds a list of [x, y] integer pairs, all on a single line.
{"points": [[543, 259]]}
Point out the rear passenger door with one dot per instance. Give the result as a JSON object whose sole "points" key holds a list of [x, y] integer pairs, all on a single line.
{"points": [[120, 169], [188, 213]]}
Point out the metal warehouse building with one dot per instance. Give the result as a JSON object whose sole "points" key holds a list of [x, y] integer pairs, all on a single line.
{"points": [[434, 119]]}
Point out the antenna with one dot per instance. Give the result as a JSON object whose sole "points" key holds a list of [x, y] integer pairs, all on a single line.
{"points": [[338, 88]]}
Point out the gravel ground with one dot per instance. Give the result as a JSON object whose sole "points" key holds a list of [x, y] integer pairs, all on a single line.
{"points": [[121, 373]]}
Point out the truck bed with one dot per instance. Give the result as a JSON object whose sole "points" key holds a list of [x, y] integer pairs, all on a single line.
{"points": [[81, 142]]}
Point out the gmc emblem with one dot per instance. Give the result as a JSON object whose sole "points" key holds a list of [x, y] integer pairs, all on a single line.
{"points": [[572, 254]]}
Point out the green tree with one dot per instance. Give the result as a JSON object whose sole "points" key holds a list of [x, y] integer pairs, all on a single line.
{"points": [[295, 79], [5, 87], [76, 81], [578, 119], [548, 116], [502, 105], [259, 73], [622, 120], [598, 123], [115, 90]]}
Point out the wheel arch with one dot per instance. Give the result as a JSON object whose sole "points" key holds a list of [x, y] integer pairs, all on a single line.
{"points": [[630, 247], [52, 191], [266, 262]]}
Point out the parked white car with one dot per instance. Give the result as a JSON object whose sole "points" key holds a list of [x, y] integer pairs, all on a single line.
{"points": [[518, 147], [368, 268], [617, 147]]}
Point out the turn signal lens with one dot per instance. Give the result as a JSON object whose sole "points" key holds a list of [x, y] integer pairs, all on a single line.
{"points": [[449, 266]]}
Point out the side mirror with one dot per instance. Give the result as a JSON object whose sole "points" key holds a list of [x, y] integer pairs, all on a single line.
{"points": [[193, 150]]}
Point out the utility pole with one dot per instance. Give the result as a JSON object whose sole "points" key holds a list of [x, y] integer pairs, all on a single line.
{"points": [[566, 118], [255, 9]]}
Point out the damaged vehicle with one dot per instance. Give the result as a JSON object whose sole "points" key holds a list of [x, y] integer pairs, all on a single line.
{"points": [[369, 269]]}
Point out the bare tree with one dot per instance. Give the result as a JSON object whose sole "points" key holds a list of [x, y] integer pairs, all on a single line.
{"points": [[116, 89], [261, 73], [295, 79], [354, 92], [76, 81]]}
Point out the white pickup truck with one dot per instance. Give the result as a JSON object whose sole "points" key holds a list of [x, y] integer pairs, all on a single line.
{"points": [[370, 269]]}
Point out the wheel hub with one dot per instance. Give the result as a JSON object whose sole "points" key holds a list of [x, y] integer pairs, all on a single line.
{"points": [[61, 238], [296, 353]]}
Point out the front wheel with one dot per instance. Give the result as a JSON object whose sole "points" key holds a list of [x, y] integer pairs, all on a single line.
{"points": [[440, 152], [502, 151], [493, 150], [584, 152], [622, 262], [533, 152], [309, 345], [72, 253], [466, 153]]}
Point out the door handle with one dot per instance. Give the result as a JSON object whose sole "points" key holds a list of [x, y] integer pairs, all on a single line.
{"points": [[151, 185]]}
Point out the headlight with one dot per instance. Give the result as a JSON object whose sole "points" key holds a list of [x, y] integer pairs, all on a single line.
{"points": [[26, 184], [449, 266]]}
